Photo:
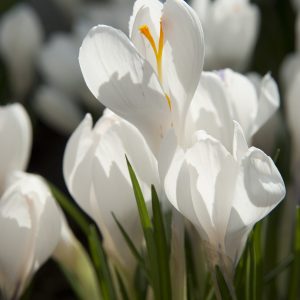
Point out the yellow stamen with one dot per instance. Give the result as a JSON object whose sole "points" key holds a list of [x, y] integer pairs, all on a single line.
{"points": [[144, 29]]}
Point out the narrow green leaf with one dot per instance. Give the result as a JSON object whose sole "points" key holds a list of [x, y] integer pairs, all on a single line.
{"points": [[71, 209], [223, 288], [130, 244], [294, 290], [163, 254], [152, 262], [122, 287], [144, 216], [101, 265]]}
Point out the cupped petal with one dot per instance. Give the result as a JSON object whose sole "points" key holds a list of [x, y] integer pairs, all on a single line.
{"points": [[260, 187], [240, 146], [268, 102], [30, 230], [124, 82], [210, 111], [16, 139], [57, 109], [183, 55]]}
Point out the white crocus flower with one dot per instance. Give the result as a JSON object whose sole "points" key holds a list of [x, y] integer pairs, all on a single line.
{"points": [[227, 23], [249, 105], [30, 227], [151, 79], [223, 193], [57, 109], [16, 138], [97, 177], [21, 37]]}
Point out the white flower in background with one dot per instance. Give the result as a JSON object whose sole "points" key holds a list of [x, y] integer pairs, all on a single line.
{"points": [[58, 102], [97, 177], [16, 139], [57, 109], [21, 36], [30, 228], [230, 29], [151, 79], [223, 193]]}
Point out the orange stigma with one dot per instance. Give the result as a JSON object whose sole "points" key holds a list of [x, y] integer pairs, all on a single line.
{"points": [[158, 52]]}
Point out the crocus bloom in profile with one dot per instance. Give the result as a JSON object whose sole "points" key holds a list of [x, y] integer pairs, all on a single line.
{"points": [[223, 193], [97, 177], [226, 24], [21, 36], [150, 80], [30, 228]]}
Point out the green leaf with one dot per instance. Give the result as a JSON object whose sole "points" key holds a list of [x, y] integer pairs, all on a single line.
{"points": [[101, 265], [71, 209], [294, 290], [162, 248], [143, 212]]}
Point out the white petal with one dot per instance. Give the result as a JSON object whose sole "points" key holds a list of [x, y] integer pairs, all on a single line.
{"points": [[57, 109], [209, 110], [183, 54], [16, 138], [124, 82], [260, 187], [240, 146], [242, 99], [268, 102], [213, 173], [76, 157]]}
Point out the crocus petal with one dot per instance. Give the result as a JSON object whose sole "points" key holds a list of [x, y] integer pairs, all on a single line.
{"points": [[214, 174], [16, 137], [210, 111], [260, 187], [268, 102], [183, 54], [76, 153], [240, 146], [124, 82], [242, 99], [30, 230]]}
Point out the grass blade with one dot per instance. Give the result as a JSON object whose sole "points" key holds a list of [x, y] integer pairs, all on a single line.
{"points": [[163, 254], [101, 265]]}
